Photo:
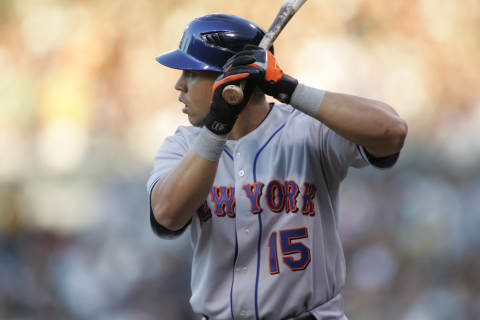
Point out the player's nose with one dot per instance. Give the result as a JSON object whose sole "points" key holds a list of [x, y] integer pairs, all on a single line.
{"points": [[181, 84]]}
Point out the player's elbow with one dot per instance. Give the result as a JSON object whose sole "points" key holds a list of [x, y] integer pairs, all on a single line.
{"points": [[390, 140], [165, 216], [397, 135]]}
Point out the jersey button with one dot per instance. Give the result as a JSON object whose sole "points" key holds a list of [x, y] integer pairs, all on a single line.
{"points": [[244, 313], [247, 231], [241, 173], [237, 154]]}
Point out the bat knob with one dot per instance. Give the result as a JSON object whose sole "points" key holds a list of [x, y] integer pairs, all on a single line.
{"points": [[232, 94]]}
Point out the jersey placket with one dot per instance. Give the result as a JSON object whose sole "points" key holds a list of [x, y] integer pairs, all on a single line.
{"points": [[243, 290]]}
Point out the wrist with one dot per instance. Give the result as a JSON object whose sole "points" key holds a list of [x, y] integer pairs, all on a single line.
{"points": [[307, 99], [282, 89], [288, 85], [218, 125], [209, 145]]}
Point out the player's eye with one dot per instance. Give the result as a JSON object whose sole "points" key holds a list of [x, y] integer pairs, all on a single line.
{"points": [[189, 73]]}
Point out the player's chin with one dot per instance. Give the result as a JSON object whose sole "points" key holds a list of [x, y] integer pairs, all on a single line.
{"points": [[195, 121]]}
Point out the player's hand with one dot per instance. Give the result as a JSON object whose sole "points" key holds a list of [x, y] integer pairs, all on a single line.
{"points": [[274, 82], [222, 116]]}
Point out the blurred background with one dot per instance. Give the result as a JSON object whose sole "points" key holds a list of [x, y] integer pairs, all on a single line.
{"points": [[84, 107]]}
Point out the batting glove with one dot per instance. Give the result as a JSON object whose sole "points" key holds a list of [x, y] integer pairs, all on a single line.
{"points": [[222, 116], [274, 82]]}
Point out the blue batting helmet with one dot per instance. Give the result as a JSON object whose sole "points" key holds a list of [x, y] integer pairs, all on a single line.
{"points": [[209, 41]]}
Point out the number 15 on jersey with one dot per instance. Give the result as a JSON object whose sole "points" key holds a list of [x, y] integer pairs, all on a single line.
{"points": [[295, 254]]}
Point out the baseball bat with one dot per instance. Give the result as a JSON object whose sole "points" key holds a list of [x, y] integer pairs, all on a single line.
{"points": [[234, 94]]}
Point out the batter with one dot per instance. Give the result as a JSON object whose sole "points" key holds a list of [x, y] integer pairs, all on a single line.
{"points": [[256, 184]]}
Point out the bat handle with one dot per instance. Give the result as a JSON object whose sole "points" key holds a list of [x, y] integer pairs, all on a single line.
{"points": [[233, 94]]}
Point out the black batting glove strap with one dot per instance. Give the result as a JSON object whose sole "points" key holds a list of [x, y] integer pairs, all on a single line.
{"points": [[273, 81], [282, 89], [222, 116], [218, 124]]}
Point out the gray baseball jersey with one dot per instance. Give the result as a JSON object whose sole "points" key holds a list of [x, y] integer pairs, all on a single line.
{"points": [[265, 241]]}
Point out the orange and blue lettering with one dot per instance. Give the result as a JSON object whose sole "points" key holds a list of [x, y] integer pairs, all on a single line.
{"points": [[275, 196], [291, 192], [273, 258], [204, 213], [290, 248], [253, 193], [224, 200], [308, 206]]}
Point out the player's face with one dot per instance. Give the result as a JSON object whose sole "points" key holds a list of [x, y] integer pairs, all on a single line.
{"points": [[195, 90]]}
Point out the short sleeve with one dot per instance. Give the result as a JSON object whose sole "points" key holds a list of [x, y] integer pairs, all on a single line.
{"points": [[340, 154], [168, 156]]}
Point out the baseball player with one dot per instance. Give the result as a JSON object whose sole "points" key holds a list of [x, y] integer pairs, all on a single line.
{"points": [[257, 184]]}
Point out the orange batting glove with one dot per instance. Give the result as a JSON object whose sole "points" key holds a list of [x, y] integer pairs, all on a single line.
{"points": [[274, 82]]}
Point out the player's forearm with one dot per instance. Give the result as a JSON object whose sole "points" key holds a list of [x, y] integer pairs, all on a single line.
{"points": [[176, 197], [372, 124]]}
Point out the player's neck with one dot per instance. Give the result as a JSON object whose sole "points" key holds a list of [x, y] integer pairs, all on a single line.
{"points": [[251, 117]]}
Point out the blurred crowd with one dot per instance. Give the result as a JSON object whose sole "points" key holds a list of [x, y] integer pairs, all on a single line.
{"points": [[84, 106]]}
